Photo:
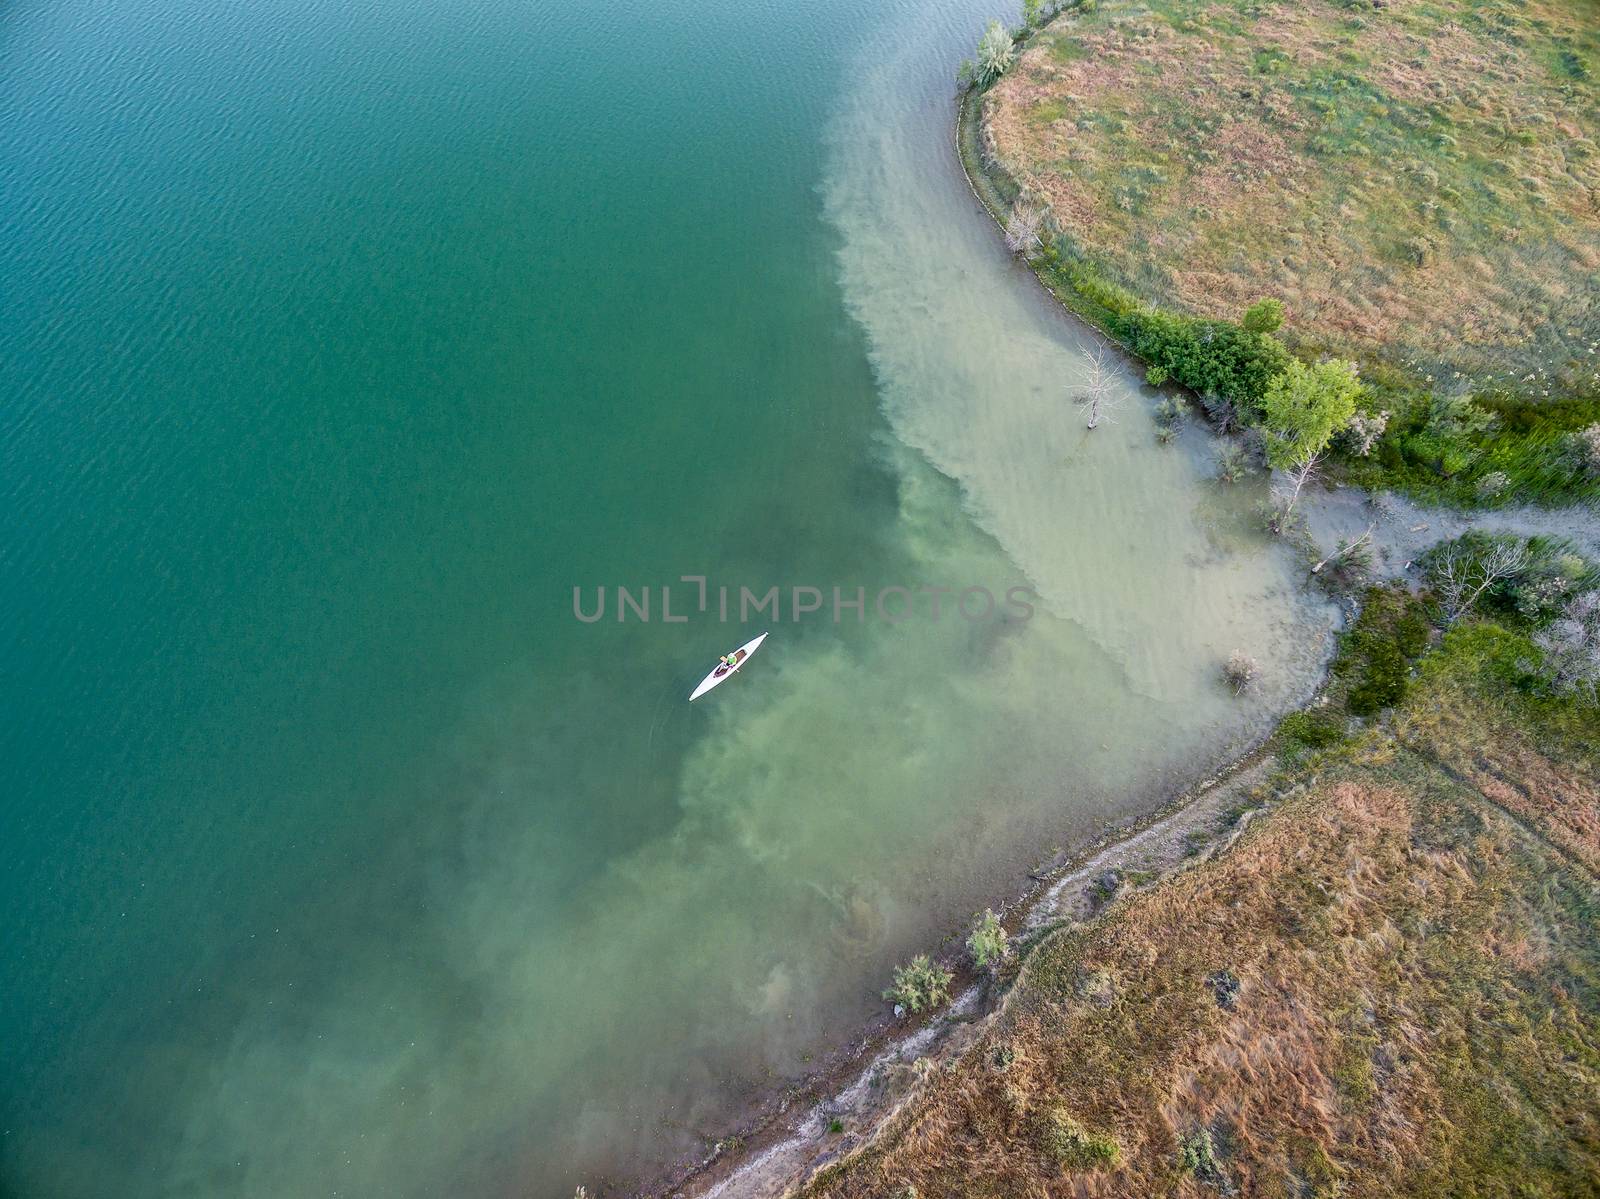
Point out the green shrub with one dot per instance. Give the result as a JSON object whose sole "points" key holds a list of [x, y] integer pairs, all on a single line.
{"points": [[1156, 376], [1491, 448], [987, 944], [1067, 1143], [920, 984], [1197, 1155], [996, 52], [1556, 572], [1470, 573], [1264, 316], [1230, 462]]}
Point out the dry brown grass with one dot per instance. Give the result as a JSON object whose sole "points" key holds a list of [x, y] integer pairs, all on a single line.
{"points": [[1417, 1009], [1559, 799], [1416, 177]]}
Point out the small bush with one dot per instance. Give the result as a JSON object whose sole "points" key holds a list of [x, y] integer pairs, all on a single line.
{"points": [[995, 54], [987, 944], [1156, 376], [1222, 413], [1492, 485], [921, 983], [1197, 1155], [1570, 649], [1364, 430], [1264, 316], [1068, 1144]]}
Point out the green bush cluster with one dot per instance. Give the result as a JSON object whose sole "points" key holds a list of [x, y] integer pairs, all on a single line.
{"points": [[1197, 1155], [987, 944], [1208, 357], [1485, 449], [1552, 572]]}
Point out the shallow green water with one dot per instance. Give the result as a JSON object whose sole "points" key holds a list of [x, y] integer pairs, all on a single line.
{"points": [[342, 342]]}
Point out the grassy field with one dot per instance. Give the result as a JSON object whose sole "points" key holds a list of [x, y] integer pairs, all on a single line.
{"points": [[1388, 985], [1418, 180]]}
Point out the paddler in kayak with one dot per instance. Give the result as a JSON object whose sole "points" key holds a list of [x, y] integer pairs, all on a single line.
{"points": [[729, 661]]}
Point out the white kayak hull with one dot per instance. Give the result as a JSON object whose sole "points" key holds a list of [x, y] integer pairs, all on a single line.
{"points": [[723, 673]]}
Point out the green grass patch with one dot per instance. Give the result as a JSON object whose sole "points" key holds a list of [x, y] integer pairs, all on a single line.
{"points": [[1314, 728], [1376, 653]]}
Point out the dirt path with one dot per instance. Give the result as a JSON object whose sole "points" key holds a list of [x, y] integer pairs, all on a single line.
{"points": [[1404, 529]]}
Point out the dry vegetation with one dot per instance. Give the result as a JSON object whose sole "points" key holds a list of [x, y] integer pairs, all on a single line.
{"points": [[1389, 985], [1416, 177]]}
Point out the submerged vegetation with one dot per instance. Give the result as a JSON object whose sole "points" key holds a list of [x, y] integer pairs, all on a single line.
{"points": [[1236, 194]]}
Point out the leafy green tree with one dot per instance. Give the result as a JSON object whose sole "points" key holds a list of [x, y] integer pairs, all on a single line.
{"points": [[1264, 316], [1304, 407], [995, 54]]}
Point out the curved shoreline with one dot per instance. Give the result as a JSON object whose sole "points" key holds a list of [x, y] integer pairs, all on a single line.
{"points": [[785, 1141], [869, 1083]]}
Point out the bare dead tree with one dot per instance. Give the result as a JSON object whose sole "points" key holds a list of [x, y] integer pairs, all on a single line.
{"points": [[1461, 576], [1296, 478], [1570, 648], [1098, 396], [1345, 549], [1023, 229]]}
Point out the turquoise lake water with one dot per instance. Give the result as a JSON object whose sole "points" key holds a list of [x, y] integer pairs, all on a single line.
{"points": [[341, 343]]}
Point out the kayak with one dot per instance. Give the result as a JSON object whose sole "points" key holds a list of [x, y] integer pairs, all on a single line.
{"points": [[723, 672]]}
